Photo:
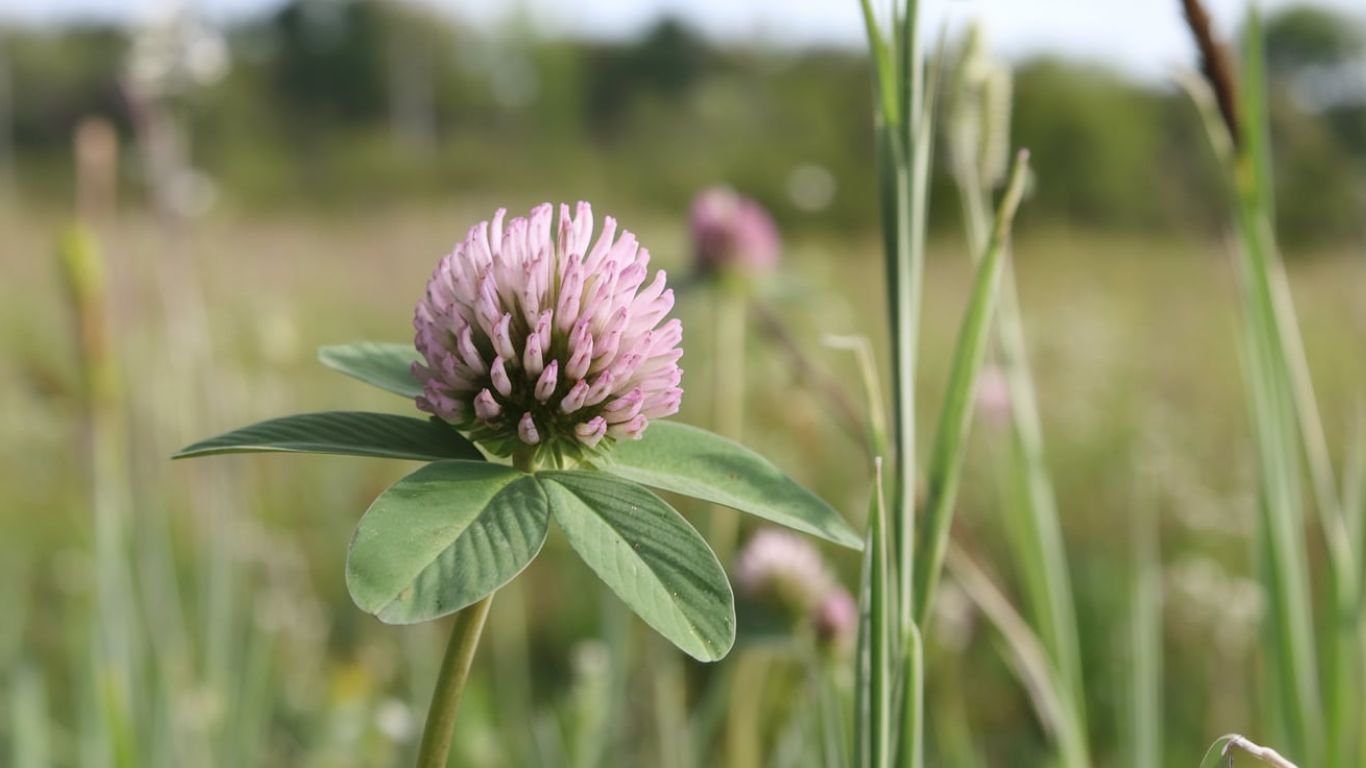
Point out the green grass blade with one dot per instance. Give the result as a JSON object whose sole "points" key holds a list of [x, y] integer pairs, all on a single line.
{"points": [[910, 63], [946, 459], [863, 655], [1033, 522], [882, 742], [1253, 118], [884, 78], [1278, 409], [867, 368], [30, 727], [1031, 516], [915, 206], [1289, 365], [1026, 655], [912, 753], [1354, 482], [1145, 644]]}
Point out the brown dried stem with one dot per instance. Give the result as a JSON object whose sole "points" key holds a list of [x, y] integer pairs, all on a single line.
{"points": [[1215, 63]]}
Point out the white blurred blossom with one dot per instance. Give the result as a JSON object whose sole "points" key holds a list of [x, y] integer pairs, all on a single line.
{"points": [[173, 52]]}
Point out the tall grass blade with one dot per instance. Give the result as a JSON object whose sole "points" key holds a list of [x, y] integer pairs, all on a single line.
{"points": [[863, 644], [1277, 411], [113, 636], [881, 625], [946, 458], [1283, 413], [1026, 655], [1145, 644], [920, 147], [30, 724], [884, 78], [912, 753], [1035, 531]]}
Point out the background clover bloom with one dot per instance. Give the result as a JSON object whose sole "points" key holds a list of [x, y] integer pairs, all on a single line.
{"points": [[992, 395], [785, 568], [836, 619], [536, 336], [732, 233]]}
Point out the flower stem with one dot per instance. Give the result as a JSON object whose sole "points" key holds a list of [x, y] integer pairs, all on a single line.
{"points": [[450, 683], [729, 399], [455, 667]]}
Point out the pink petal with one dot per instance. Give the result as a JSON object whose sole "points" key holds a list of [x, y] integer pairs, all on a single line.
{"points": [[545, 385], [526, 430], [591, 432], [485, 407]]}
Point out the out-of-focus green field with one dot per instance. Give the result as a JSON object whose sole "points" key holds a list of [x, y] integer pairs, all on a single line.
{"points": [[1132, 344]]}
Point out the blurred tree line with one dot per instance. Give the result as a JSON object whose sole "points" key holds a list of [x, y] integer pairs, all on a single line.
{"points": [[359, 102]]}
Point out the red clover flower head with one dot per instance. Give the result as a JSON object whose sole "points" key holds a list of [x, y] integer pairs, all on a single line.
{"points": [[732, 233], [536, 337]]}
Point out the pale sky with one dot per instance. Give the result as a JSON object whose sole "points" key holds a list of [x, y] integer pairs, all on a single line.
{"points": [[1143, 37]]}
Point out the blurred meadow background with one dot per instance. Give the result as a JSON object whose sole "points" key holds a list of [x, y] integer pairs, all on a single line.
{"points": [[192, 200]]}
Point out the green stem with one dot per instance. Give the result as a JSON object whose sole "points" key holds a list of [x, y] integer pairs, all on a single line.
{"points": [[729, 399], [670, 707], [450, 683], [912, 753], [1035, 530], [1145, 638], [455, 667], [946, 458], [744, 733]]}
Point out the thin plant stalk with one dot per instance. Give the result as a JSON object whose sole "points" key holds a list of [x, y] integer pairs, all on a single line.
{"points": [[744, 743], [953, 730], [946, 458], [511, 665], [1036, 531], [1145, 644], [455, 670], [828, 719], [621, 655], [876, 418], [1025, 653], [864, 722], [728, 398], [869, 707], [670, 689], [880, 630], [1283, 411], [30, 724], [450, 684], [872, 670], [1221, 751], [903, 128], [912, 753], [710, 712], [113, 637], [902, 151], [743, 746], [771, 324]]}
